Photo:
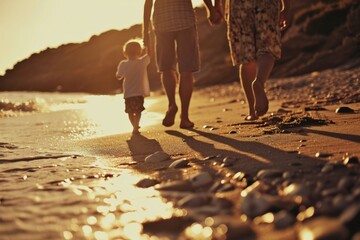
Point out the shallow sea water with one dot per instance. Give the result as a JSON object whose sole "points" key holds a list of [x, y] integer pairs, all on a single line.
{"points": [[47, 192]]}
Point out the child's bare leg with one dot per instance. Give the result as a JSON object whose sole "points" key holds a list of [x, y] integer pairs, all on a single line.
{"points": [[247, 76], [132, 119], [185, 92], [265, 64], [136, 125], [169, 79]]}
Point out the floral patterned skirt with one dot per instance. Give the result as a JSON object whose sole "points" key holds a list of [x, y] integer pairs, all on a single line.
{"points": [[253, 29]]}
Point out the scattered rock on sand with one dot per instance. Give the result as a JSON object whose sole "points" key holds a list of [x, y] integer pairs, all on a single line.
{"points": [[351, 160], [201, 179], [181, 163], [158, 156], [344, 110], [146, 182]]}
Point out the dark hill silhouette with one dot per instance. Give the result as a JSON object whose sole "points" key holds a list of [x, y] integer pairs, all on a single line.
{"points": [[324, 34]]}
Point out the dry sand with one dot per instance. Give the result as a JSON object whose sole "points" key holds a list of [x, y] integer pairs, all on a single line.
{"points": [[301, 122]]}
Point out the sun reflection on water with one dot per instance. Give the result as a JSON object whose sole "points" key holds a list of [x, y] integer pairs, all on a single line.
{"points": [[102, 116], [120, 208]]}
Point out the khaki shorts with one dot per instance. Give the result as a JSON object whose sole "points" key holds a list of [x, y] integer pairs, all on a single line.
{"points": [[179, 48], [134, 104], [253, 29]]}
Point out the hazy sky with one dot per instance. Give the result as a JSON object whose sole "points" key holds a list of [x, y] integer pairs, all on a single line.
{"points": [[28, 26]]}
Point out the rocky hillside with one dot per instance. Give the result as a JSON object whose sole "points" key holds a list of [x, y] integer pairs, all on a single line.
{"points": [[324, 34]]}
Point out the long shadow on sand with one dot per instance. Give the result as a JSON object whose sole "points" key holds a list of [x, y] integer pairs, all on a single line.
{"points": [[348, 137], [252, 156], [141, 146]]}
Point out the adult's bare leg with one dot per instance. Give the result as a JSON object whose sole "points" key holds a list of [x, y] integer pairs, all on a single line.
{"points": [[185, 91], [265, 64], [247, 74], [169, 80]]}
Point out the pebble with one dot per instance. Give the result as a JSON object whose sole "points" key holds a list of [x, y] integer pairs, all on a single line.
{"points": [[269, 173], [283, 219], [327, 168], [323, 228], [351, 217], [181, 163], [344, 110], [194, 200], [158, 156], [345, 184], [296, 189], [329, 192], [239, 176], [254, 204], [233, 132], [322, 155], [228, 161], [146, 182], [351, 160], [175, 186], [201, 179]]}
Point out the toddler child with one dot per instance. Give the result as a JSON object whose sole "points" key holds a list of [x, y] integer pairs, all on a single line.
{"points": [[133, 72]]}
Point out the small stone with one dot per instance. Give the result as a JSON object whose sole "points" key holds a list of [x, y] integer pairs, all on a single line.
{"points": [[283, 219], [345, 184], [351, 217], [158, 156], [287, 175], [322, 228], [351, 160], [239, 176], [327, 168], [194, 200], [254, 204], [329, 192], [233, 132], [209, 157], [201, 179], [341, 201], [175, 186], [296, 189], [229, 161], [206, 126], [344, 110], [269, 173], [322, 155], [181, 163], [146, 182]]}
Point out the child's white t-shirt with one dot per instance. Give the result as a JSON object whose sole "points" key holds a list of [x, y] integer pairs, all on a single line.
{"points": [[136, 82]]}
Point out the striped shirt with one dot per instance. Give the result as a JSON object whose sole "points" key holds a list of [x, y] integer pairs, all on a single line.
{"points": [[173, 15]]}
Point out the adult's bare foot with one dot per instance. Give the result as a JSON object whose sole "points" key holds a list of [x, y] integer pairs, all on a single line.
{"points": [[169, 118], [261, 103], [186, 124]]}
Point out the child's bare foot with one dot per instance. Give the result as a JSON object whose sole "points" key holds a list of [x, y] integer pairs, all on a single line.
{"points": [[170, 116], [261, 104]]}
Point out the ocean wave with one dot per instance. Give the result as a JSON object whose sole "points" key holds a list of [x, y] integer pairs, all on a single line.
{"points": [[12, 109]]}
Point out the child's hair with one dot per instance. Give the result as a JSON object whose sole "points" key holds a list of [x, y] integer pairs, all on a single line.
{"points": [[132, 47]]}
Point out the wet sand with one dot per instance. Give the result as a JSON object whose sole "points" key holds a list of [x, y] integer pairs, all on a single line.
{"points": [[288, 175]]}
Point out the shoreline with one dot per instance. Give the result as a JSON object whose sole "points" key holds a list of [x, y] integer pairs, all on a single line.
{"points": [[247, 180]]}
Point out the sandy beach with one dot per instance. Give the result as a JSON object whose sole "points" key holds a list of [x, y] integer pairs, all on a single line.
{"points": [[293, 174]]}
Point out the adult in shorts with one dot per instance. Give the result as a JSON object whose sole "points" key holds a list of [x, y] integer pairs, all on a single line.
{"points": [[177, 51]]}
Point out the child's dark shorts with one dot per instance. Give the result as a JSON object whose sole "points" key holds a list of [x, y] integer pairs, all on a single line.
{"points": [[134, 104]]}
